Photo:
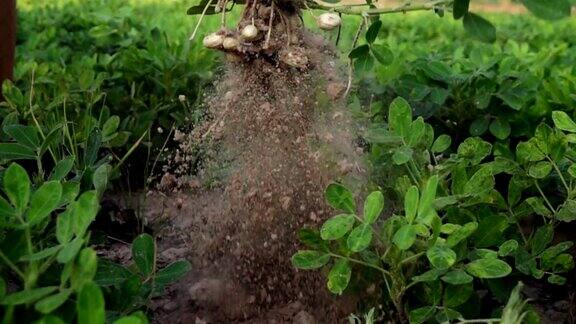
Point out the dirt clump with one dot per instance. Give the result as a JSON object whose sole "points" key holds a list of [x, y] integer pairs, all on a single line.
{"points": [[277, 137]]}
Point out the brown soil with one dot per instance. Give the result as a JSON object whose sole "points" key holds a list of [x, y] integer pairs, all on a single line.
{"points": [[278, 136]]}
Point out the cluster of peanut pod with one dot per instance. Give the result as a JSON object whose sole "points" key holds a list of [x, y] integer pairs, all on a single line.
{"points": [[250, 33]]}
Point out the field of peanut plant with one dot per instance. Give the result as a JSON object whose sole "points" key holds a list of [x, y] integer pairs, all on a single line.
{"points": [[289, 161]]}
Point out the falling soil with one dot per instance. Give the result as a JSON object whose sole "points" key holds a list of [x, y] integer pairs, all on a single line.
{"points": [[278, 135]]}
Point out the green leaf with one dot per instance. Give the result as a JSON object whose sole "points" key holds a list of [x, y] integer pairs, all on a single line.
{"points": [[540, 170], [422, 314], [507, 248], [461, 234], [50, 319], [44, 201], [488, 268], [360, 51], [529, 152], [447, 315], [310, 260], [457, 277], [449, 228], [62, 168], [542, 238], [130, 320], [555, 250], [563, 121], [405, 237], [417, 132], [85, 210], [337, 226], [490, 230], [474, 149], [109, 273], [482, 254], [402, 155], [441, 144], [567, 212], [86, 269], [144, 253], [110, 126], [481, 182], [460, 8], [7, 212], [201, 8], [339, 276], [373, 206], [382, 53], [441, 257], [14, 151], [17, 186], [426, 205], [572, 171], [28, 296], [456, 295], [173, 272], [557, 280], [340, 197], [372, 31], [65, 227], [548, 9], [100, 178], [363, 64], [430, 275], [70, 191], [54, 137], [43, 254], [411, 203], [51, 303], [479, 28], [24, 135], [437, 70], [562, 263], [311, 238], [500, 128], [479, 126], [360, 238], [90, 305], [70, 250], [400, 117], [538, 206]]}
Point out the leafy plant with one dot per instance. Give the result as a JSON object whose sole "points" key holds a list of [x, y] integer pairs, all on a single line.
{"points": [[131, 288], [456, 230], [33, 258]]}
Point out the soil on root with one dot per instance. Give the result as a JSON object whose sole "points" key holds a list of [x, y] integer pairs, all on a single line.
{"points": [[279, 136]]}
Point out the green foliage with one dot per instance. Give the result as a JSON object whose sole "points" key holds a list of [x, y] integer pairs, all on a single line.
{"points": [[86, 94], [98, 75], [453, 211], [128, 289]]}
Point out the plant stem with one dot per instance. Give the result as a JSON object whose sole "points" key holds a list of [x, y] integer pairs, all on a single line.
{"points": [[560, 175], [12, 266], [518, 225], [412, 174], [360, 262], [356, 10], [545, 199], [414, 257]]}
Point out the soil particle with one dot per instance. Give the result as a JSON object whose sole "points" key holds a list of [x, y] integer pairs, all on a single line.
{"points": [[303, 317], [276, 138]]}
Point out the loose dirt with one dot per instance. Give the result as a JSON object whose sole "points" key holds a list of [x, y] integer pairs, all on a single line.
{"points": [[277, 136]]}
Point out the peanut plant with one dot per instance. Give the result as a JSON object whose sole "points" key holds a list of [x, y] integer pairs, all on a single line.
{"points": [[456, 229]]}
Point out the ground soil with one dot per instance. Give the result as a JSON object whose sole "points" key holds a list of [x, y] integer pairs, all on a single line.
{"points": [[276, 137]]}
